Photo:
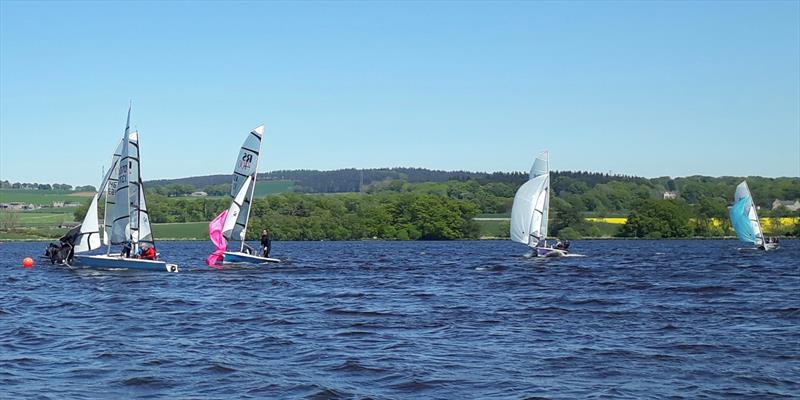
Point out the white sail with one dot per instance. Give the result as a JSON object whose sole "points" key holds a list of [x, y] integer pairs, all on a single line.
{"points": [[243, 186], [532, 205], [139, 217], [145, 231], [743, 191], [120, 218], [111, 193], [134, 187], [541, 167], [89, 237], [234, 213]]}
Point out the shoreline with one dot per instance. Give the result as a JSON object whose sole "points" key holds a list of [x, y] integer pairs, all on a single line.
{"points": [[483, 239]]}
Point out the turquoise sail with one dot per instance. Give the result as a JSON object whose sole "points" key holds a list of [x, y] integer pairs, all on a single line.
{"points": [[741, 220]]}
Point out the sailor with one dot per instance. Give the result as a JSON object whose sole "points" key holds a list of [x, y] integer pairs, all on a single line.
{"points": [[559, 245], [126, 249], [246, 248], [148, 252], [266, 242]]}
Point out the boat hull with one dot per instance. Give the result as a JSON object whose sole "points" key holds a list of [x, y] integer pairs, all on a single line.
{"points": [[235, 257], [549, 252], [116, 262], [771, 246]]}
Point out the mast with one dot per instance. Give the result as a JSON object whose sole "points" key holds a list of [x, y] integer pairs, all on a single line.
{"points": [[546, 207]]}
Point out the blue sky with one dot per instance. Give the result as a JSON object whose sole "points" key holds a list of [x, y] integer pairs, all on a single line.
{"points": [[641, 88]]}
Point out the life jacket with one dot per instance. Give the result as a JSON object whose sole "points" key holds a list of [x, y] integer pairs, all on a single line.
{"points": [[148, 254]]}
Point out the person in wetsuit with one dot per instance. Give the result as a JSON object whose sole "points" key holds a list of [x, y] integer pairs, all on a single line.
{"points": [[266, 242]]}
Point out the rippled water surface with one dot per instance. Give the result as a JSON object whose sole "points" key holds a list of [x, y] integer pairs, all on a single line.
{"points": [[632, 319]]}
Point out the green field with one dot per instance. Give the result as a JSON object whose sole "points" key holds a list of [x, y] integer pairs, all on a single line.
{"points": [[37, 218], [42, 233], [267, 188], [41, 197], [185, 230]]}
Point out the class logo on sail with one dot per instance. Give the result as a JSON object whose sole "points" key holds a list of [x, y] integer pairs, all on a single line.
{"points": [[246, 161]]}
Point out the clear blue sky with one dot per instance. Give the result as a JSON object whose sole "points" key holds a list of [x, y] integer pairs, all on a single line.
{"points": [[642, 88]]}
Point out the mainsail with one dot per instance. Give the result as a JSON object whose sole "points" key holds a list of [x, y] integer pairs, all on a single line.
{"points": [[111, 192], [744, 217], [242, 187], [120, 217], [531, 205], [131, 222]]}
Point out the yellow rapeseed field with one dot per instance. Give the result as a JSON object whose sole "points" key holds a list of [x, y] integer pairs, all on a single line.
{"points": [[610, 220], [766, 223]]}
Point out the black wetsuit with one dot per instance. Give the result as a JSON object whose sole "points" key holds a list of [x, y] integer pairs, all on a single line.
{"points": [[266, 244]]}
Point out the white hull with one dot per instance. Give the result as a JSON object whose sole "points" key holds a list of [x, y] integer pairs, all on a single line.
{"points": [[117, 262], [236, 257], [549, 252]]}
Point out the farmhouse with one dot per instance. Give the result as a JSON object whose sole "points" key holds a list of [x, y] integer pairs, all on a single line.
{"points": [[788, 204]]}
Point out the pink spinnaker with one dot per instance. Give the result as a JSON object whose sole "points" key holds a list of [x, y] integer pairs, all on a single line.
{"points": [[215, 232]]}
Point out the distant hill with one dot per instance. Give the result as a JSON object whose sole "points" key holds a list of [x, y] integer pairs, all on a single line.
{"points": [[352, 179], [335, 181], [198, 182]]}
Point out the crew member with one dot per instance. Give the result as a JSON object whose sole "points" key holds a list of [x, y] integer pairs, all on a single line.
{"points": [[266, 242], [126, 249], [148, 252]]}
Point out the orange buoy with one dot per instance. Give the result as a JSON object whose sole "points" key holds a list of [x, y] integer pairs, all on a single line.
{"points": [[27, 262]]}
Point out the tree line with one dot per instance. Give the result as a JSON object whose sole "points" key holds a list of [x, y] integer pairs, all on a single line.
{"points": [[291, 216], [45, 186], [399, 209]]}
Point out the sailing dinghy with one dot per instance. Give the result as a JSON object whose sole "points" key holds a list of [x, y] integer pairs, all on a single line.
{"points": [[126, 218], [531, 209], [744, 219], [228, 230]]}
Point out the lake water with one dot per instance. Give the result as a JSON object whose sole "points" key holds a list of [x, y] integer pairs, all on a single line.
{"points": [[449, 320]]}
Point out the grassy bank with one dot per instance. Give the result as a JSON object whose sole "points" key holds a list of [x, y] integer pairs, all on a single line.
{"points": [[182, 231], [41, 197]]}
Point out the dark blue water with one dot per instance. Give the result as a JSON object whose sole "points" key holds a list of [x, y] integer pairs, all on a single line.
{"points": [[633, 319]]}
